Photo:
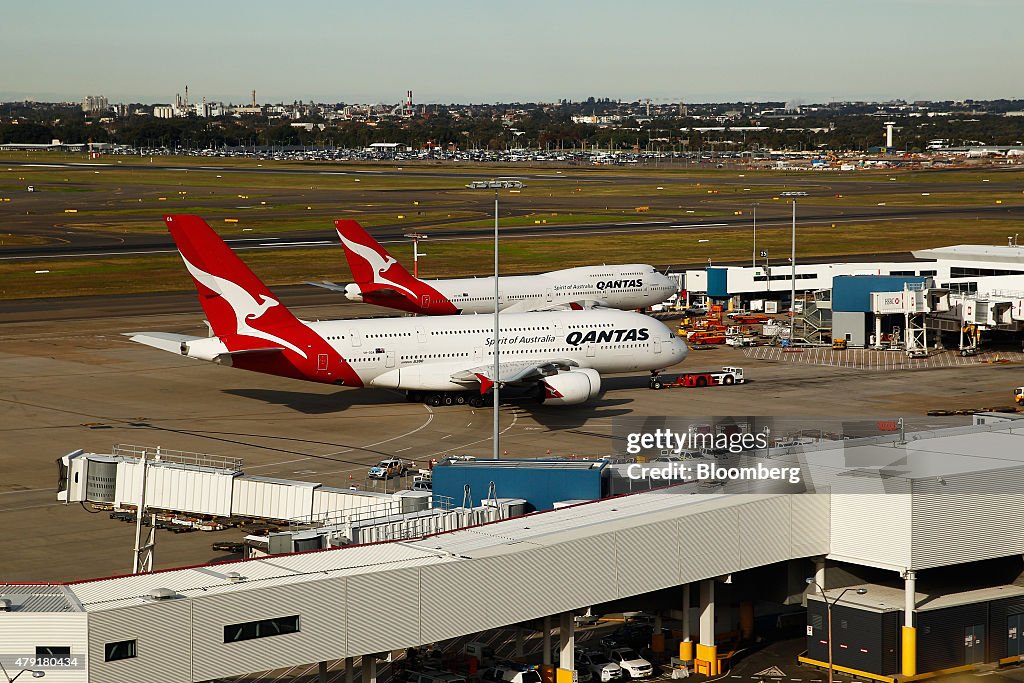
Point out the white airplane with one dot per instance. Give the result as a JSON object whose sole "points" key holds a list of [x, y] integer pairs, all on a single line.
{"points": [[381, 280], [556, 356]]}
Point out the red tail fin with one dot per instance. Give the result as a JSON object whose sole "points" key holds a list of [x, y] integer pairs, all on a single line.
{"points": [[375, 270], [231, 294], [370, 262]]}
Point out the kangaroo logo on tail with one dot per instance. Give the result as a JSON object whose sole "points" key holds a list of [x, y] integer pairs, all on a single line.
{"points": [[378, 264], [245, 307]]}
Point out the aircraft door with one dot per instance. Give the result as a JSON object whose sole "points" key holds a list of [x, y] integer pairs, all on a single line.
{"points": [[425, 302], [357, 339], [657, 346], [549, 295], [478, 353], [421, 336], [389, 359], [590, 350], [321, 362]]}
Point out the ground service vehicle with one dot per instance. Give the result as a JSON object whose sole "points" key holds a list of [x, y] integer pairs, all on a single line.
{"points": [[706, 337], [1018, 396], [728, 376], [839, 344], [386, 469], [631, 663], [748, 318]]}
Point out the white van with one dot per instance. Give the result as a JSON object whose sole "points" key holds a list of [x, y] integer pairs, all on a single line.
{"points": [[511, 674], [432, 676]]}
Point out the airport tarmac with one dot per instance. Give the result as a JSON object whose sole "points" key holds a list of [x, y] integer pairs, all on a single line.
{"points": [[78, 383]]}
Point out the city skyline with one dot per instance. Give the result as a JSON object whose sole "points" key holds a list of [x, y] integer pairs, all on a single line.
{"points": [[812, 51]]}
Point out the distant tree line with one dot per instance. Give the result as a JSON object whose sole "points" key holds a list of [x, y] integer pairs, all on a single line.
{"points": [[551, 128]]}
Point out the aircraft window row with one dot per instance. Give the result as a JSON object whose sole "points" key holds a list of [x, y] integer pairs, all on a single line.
{"points": [[337, 336], [504, 329], [435, 355], [587, 327], [388, 334]]}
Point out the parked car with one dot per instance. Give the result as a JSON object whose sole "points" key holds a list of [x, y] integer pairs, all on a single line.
{"points": [[598, 665], [433, 676], [510, 674], [631, 663], [386, 469]]}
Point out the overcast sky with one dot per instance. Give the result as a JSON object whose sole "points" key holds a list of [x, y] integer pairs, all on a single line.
{"points": [[519, 50]]}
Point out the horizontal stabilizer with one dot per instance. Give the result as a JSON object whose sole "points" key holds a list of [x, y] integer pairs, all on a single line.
{"points": [[326, 285], [165, 341]]}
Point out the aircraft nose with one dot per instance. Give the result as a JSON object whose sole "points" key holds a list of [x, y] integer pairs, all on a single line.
{"points": [[680, 349]]}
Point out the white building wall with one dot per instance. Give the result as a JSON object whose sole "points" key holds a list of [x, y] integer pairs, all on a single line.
{"points": [[162, 632], [872, 529], [967, 517], [21, 633], [323, 624]]}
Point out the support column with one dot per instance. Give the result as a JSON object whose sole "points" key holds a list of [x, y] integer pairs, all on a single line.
{"points": [[369, 668], [747, 619], [349, 670], [686, 646], [909, 632], [547, 642], [520, 643], [878, 332], [819, 574], [322, 678], [707, 652], [658, 638], [566, 648]]}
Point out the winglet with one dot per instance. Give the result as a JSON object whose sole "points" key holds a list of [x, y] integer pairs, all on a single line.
{"points": [[485, 382]]}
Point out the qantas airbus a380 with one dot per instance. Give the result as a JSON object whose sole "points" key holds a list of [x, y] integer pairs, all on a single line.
{"points": [[381, 280], [557, 356]]}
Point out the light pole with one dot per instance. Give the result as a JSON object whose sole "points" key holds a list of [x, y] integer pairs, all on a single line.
{"points": [[753, 253], [36, 673], [828, 609], [496, 185], [792, 258], [416, 237]]}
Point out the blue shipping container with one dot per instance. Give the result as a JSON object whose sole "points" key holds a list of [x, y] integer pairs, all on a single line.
{"points": [[539, 482]]}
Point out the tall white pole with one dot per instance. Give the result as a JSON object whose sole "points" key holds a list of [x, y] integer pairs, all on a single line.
{"points": [[792, 299], [497, 330], [753, 255]]}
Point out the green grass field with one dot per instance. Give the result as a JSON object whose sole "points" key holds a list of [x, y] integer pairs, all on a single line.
{"points": [[457, 258], [109, 199]]}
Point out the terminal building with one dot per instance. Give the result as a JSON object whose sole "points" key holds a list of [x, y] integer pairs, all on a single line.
{"points": [[906, 543], [948, 295]]}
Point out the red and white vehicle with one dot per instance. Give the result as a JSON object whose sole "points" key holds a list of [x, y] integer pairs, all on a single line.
{"points": [[381, 280], [728, 376]]}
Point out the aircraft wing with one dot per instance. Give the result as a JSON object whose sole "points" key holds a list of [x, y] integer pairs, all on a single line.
{"points": [[512, 372], [531, 307]]}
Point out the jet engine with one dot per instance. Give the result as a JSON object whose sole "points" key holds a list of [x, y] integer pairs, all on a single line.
{"points": [[569, 388]]}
